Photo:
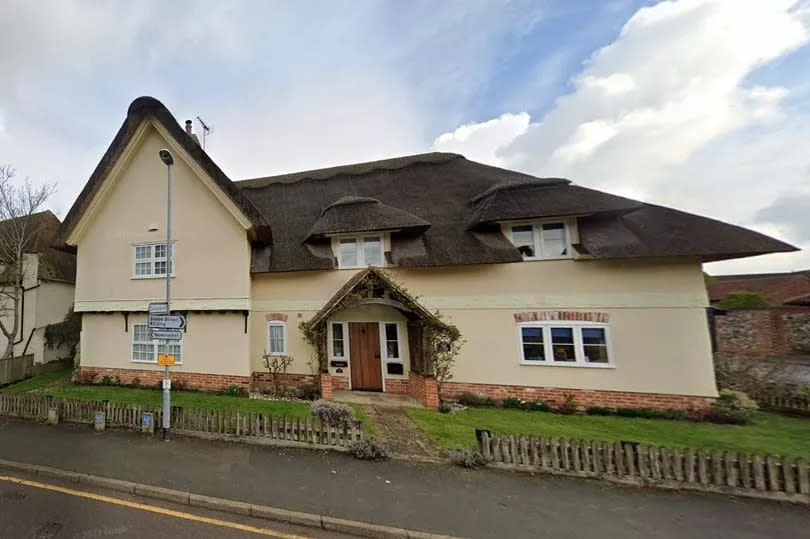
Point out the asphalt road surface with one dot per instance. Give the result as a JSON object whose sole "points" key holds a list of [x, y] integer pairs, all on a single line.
{"points": [[37, 512]]}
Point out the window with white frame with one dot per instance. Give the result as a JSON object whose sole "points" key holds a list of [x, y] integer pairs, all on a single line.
{"points": [[360, 252], [146, 350], [541, 240], [390, 334], [559, 343], [150, 260], [277, 338], [338, 340]]}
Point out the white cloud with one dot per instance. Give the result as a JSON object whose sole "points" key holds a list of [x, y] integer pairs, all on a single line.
{"points": [[481, 142], [664, 113]]}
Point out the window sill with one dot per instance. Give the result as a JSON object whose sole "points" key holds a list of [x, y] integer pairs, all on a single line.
{"points": [[275, 354], [363, 267], [139, 277], [569, 364], [538, 259]]}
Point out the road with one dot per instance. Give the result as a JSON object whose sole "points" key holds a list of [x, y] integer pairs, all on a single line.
{"points": [[430, 497], [44, 510]]}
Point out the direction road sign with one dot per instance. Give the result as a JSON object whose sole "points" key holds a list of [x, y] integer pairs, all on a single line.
{"points": [[166, 335], [171, 321], [159, 308]]}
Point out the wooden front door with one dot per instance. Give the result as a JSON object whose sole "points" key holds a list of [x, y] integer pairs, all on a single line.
{"points": [[364, 350]]}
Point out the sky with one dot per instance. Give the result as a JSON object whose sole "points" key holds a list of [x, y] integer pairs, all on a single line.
{"points": [[702, 105]]}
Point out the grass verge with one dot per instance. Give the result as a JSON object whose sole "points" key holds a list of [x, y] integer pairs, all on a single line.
{"points": [[770, 434], [36, 383]]}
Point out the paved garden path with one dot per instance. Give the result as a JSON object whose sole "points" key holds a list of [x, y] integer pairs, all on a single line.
{"points": [[405, 439]]}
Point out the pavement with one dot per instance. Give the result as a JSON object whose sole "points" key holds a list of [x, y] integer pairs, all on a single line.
{"points": [[436, 498], [57, 510]]}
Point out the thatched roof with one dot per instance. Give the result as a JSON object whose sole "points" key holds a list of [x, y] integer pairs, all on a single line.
{"points": [[363, 214], [139, 110], [463, 200]]}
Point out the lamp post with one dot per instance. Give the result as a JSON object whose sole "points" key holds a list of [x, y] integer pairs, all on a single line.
{"points": [[168, 160]]}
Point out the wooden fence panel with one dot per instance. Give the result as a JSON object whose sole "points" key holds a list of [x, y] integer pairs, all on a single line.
{"points": [[654, 464]]}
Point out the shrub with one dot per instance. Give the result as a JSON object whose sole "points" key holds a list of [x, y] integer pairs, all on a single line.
{"points": [[467, 458], [599, 410], [513, 402], [569, 405], [646, 413], [474, 400], [337, 415], [369, 449], [106, 381], [309, 393], [742, 299], [675, 413], [733, 407], [277, 367], [538, 406], [235, 391], [135, 382], [444, 407]]}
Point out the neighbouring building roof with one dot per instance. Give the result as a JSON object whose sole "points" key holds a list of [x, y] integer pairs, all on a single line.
{"points": [[441, 209], [792, 288], [54, 265]]}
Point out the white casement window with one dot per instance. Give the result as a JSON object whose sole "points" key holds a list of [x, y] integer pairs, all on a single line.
{"points": [[277, 338], [390, 344], [360, 252], [338, 339], [145, 350], [149, 260], [565, 343], [541, 240]]}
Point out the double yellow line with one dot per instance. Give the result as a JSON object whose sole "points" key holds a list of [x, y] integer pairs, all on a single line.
{"points": [[152, 508]]}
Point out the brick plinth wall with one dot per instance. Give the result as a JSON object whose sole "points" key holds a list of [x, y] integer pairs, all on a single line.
{"points": [[423, 389], [326, 386], [264, 380], [150, 378], [396, 385], [584, 397], [340, 383]]}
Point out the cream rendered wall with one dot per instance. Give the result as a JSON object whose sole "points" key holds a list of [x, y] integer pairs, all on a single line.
{"points": [[212, 264], [53, 301], [215, 343], [212, 249], [660, 340]]}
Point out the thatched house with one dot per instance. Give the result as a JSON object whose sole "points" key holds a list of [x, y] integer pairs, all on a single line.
{"points": [[555, 288]]}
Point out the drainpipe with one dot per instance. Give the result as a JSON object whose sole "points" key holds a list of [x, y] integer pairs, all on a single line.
{"points": [[22, 314]]}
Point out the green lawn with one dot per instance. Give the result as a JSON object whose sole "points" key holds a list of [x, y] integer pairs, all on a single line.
{"points": [[770, 434], [38, 382], [58, 385]]}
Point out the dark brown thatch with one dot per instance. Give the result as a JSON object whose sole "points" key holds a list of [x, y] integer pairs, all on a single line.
{"points": [[452, 193], [139, 110], [53, 265], [363, 214]]}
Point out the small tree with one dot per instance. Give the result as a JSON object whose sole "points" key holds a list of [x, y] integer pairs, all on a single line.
{"points": [[277, 367], [446, 345], [65, 333], [18, 238]]}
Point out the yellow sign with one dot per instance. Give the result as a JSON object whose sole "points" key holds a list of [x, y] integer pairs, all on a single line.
{"points": [[166, 359]]}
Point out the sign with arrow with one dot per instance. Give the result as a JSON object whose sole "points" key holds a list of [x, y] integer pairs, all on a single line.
{"points": [[166, 335], [168, 321]]}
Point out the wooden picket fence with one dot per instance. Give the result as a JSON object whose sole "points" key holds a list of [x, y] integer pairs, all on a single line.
{"points": [[629, 462], [256, 427], [790, 404]]}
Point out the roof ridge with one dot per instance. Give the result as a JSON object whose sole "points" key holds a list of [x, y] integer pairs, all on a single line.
{"points": [[350, 169]]}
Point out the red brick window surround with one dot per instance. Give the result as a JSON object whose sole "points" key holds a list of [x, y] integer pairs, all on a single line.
{"points": [[574, 316]]}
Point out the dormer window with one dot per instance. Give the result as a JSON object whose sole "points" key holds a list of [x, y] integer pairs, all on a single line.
{"points": [[360, 252], [541, 240]]}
